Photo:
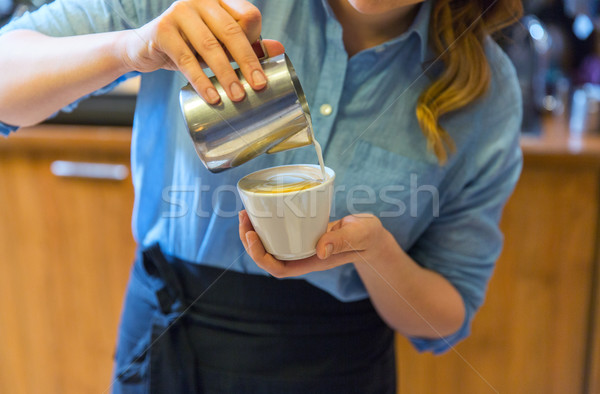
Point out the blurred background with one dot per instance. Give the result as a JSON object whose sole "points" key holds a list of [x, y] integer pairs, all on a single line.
{"points": [[556, 50], [66, 245]]}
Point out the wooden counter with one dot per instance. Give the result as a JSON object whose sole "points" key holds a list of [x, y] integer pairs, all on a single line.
{"points": [[556, 145], [66, 249], [65, 253], [557, 148]]}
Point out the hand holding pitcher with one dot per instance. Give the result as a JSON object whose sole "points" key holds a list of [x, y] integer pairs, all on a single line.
{"points": [[194, 34]]}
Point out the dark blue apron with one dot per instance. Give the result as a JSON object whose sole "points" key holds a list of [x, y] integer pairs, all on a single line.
{"points": [[189, 328]]}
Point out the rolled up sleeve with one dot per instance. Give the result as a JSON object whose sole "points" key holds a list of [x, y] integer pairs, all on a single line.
{"points": [[464, 241], [6, 129]]}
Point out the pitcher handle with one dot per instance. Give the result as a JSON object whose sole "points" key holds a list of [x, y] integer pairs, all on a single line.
{"points": [[259, 49]]}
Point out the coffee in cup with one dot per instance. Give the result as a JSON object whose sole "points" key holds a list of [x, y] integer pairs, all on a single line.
{"points": [[288, 207]]}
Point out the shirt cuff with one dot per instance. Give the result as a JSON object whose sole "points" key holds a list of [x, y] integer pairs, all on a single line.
{"points": [[443, 344], [6, 129]]}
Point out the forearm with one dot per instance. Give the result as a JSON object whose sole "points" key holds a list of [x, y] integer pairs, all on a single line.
{"points": [[412, 300], [43, 74]]}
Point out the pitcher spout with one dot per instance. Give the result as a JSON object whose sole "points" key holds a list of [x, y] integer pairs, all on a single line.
{"points": [[298, 140]]}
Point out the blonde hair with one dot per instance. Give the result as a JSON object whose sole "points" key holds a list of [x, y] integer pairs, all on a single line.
{"points": [[457, 32]]}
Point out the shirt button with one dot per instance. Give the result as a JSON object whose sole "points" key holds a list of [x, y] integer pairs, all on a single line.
{"points": [[325, 109]]}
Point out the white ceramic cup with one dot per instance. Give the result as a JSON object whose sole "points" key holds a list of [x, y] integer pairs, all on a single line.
{"points": [[289, 224]]}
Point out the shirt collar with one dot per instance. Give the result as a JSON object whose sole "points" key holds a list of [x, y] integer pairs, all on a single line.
{"points": [[420, 27]]}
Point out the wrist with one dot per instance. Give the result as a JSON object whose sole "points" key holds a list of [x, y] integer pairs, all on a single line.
{"points": [[387, 256], [386, 248], [120, 51]]}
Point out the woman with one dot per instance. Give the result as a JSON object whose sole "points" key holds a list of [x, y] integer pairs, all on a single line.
{"points": [[418, 114]]}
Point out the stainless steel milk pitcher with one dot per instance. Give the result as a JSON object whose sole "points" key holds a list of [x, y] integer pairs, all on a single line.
{"points": [[229, 133]]}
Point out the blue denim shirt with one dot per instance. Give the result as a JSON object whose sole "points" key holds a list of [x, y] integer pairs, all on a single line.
{"points": [[445, 217]]}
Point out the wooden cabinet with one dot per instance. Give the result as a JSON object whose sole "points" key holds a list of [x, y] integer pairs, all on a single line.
{"points": [[65, 253], [538, 331]]}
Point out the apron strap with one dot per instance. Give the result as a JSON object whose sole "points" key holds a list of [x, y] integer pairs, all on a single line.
{"points": [[172, 362], [171, 292]]}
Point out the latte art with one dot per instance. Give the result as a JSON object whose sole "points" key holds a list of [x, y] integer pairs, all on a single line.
{"points": [[280, 183]]}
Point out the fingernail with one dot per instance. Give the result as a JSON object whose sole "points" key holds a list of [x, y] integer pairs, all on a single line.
{"points": [[259, 78], [213, 96], [328, 250], [237, 92]]}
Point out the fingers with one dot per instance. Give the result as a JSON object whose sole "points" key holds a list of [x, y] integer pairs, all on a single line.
{"points": [[257, 251], [254, 246], [192, 32], [246, 15], [230, 32], [278, 268], [209, 48], [180, 54], [244, 227], [252, 242], [312, 264], [292, 268]]}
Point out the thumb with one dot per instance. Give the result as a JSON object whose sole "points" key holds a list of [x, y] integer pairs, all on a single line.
{"points": [[345, 239], [273, 47]]}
